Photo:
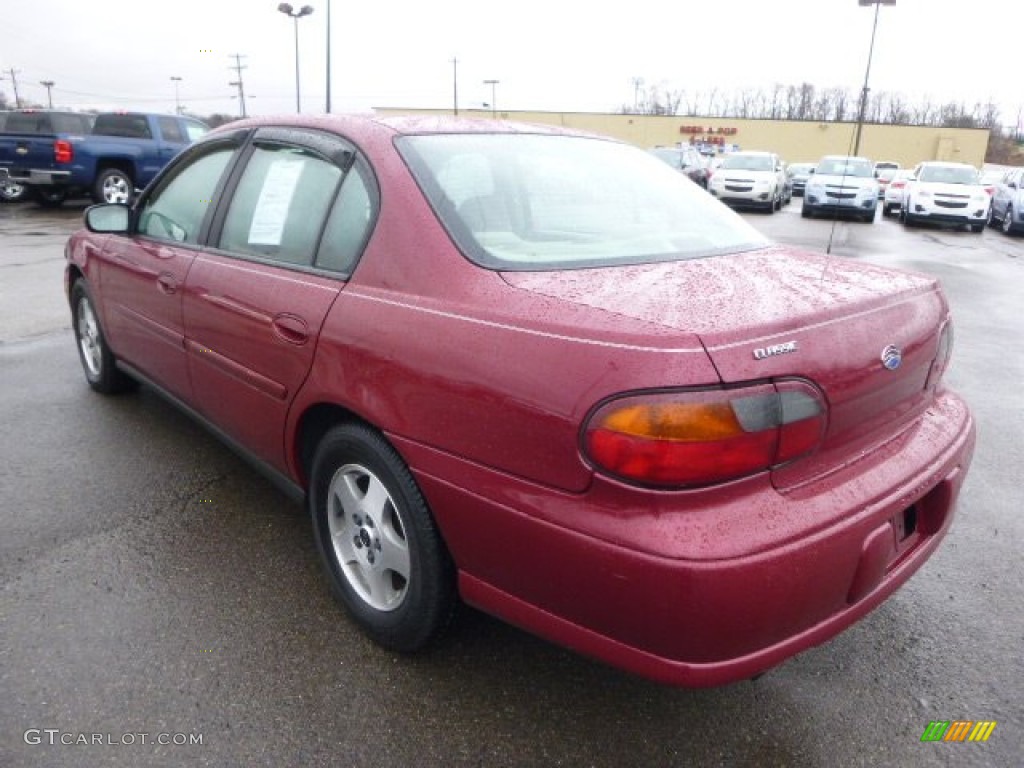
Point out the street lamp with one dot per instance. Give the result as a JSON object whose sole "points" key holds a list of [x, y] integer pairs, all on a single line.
{"points": [[494, 98], [177, 100], [328, 99], [287, 10], [867, 72], [48, 84]]}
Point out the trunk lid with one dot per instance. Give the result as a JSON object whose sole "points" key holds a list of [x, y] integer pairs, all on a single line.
{"points": [[779, 313]]}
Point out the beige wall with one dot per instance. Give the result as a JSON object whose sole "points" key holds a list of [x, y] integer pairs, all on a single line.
{"points": [[795, 141]]}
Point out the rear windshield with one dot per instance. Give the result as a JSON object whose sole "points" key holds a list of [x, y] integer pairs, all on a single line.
{"points": [[47, 122], [125, 126], [535, 202]]}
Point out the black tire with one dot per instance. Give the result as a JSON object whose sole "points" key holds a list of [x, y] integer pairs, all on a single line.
{"points": [[886, 211], [805, 212], [977, 228], [98, 362], [112, 186], [12, 192], [403, 612], [50, 197], [1006, 223]]}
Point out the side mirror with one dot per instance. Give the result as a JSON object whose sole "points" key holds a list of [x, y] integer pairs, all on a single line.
{"points": [[1012, 185], [112, 218]]}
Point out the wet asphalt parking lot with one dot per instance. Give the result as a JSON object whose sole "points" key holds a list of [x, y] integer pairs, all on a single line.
{"points": [[153, 587]]}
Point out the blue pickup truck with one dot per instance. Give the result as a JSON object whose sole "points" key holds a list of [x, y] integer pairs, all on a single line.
{"points": [[56, 155]]}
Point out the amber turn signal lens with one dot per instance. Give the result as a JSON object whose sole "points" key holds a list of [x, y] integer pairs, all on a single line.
{"points": [[703, 437]]}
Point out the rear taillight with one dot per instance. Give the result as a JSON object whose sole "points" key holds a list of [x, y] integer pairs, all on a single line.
{"points": [[700, 437], [63, 151], [942, 356]]}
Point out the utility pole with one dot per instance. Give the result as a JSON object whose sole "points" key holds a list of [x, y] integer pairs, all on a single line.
{"points": [[238, 83], [14, 84]]}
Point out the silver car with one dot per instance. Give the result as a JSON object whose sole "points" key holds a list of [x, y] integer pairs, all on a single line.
{"points": [[750, 179], [842, 184], [1008, 202]]}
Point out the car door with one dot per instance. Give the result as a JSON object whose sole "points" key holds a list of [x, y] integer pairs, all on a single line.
{"points": [[1004, 193], [256, 301], [143, 275]]}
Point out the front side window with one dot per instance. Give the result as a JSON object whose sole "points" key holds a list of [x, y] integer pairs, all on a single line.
{"points": [[175, 211], [527, 202], [278, 210]]}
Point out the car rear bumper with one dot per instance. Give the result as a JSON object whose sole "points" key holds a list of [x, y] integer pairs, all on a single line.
{"points": [[37, 178], [701, 588]]}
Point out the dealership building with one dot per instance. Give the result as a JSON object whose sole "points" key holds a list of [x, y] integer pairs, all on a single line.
{"points": [[794, 140]]}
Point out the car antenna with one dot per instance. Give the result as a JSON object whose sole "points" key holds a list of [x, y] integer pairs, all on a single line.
{"points": [[835, 213]]}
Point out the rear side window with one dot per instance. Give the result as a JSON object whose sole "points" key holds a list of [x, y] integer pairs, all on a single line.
{"points": [[176, 210], [125, 126], [279, 207], [348, 226], [195, 130], [170, 130]]}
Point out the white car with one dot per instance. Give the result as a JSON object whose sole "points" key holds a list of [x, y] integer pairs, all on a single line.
{"points": [[892, 198], [750, 179], [842, 185], [946, 193]]}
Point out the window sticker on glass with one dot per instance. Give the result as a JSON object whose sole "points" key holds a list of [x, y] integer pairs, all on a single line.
{"points": [[275, 198]]}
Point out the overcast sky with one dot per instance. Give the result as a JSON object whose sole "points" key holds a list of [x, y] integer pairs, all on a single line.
{"points": [[548, 55]]}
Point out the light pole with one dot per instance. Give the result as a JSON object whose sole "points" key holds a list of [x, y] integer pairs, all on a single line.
{"points": [[494, 98], [327, 108], [48, 84], [177, 99], [867, 72], [455, 86], [287, 10]]}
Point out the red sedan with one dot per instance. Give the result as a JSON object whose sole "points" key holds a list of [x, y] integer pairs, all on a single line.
{"points": [[540, 372]]}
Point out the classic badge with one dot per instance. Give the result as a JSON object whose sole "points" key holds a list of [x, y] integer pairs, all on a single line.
{"points": [[775, 349]]}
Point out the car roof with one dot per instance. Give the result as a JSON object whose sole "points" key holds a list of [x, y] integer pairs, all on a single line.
{"points": [[946, 164], [366, 125]]}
